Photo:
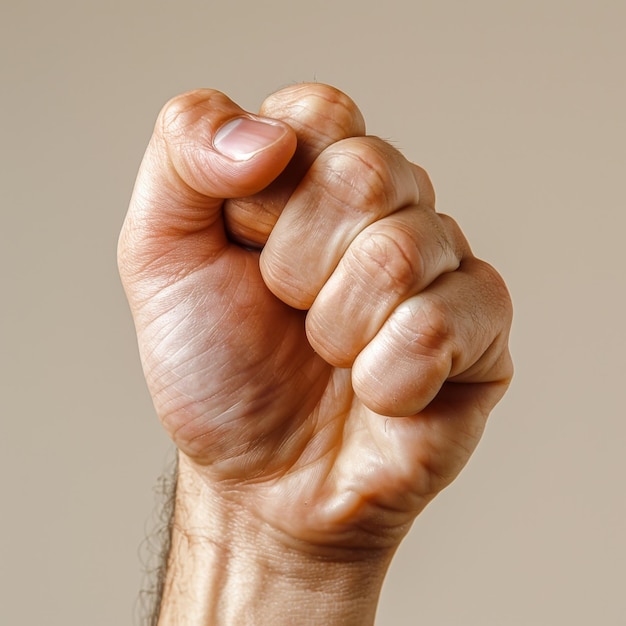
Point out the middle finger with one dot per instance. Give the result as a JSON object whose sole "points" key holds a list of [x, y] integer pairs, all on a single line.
{"points": [[352, 184]]}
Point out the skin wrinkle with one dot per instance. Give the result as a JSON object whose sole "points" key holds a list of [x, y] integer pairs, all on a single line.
{"points": [[422, 323], [269, 433], [331, 441], [388, 256], [408, 482], [315, 452], [375, 187], [441, 473], [175, 374], [491, 360], [312, 117], [194, 221], [196, 304], [171, 136], [192, 417], [170, 259], [198, 300], [370, 190], [300, 111]]}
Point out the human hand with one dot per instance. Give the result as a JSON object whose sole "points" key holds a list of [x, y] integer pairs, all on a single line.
{"points": [[320, 344]]}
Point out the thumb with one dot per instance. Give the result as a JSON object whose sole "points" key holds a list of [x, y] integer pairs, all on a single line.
{"points": [[204, 148]]}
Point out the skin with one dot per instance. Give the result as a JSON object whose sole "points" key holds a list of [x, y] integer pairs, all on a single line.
{"points": [[320, 344]]}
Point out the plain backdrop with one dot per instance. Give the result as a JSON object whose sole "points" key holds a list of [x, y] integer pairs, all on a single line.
{"points": [[517, 110]]}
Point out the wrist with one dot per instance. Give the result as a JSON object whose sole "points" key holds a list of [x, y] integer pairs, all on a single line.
{"points": [[227, 567]]}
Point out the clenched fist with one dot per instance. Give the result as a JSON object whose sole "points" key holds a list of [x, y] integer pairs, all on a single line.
{"points": [[321, 345]]}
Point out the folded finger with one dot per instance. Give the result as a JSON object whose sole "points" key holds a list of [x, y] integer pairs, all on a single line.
{"points": [[391, 260], [320, 115], [456, 329], [351, 185]]}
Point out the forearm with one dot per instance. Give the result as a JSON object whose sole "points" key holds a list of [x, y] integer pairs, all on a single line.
{"points": [[225, 568]]}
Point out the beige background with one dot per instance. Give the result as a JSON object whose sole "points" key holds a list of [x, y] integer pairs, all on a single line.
{"points": [[517, 109]]}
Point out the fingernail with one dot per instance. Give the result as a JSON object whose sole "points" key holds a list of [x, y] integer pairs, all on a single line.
{"points": [[242, 138]]}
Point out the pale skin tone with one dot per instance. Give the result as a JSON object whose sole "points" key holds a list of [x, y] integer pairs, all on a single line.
{"points": [[321, 345]]}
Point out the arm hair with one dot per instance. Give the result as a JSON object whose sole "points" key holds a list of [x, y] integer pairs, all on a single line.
{"points": [[154, 550]]}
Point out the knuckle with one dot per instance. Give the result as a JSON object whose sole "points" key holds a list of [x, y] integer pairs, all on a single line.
{"points": [[389, 259], [175, 115], [422, 328], [358, 178], [325, 109], [184, 110]]}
